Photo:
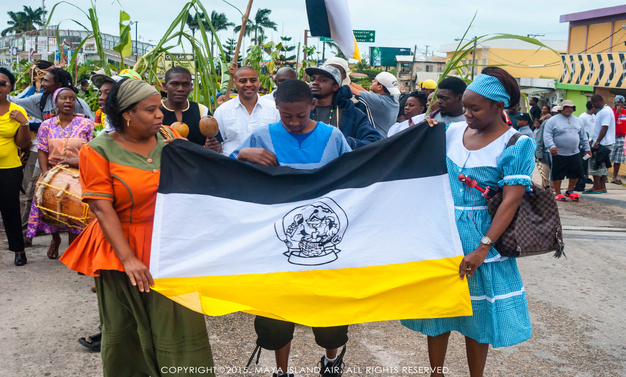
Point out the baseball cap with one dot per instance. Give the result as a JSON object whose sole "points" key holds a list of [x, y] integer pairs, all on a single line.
{"points": [[339, 61], [524, 116], [555, 109], [389, 81], [618, 98], [327, 70], [100, 78], [427, 84]]}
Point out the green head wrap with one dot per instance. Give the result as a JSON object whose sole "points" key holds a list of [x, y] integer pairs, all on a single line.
{"points": [[132, 91]]}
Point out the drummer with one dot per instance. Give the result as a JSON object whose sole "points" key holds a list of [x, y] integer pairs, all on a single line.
{"points": [[59, 140], [178, 108]]}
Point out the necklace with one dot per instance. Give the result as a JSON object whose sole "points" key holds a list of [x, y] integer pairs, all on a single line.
{"points": [[330, 117], [168, 109]]}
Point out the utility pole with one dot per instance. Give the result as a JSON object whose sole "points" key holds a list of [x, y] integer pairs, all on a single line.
{"points": [[43, 6], [306, 35], [474, 57], [426, 54], [412, 80], [136, 43]]}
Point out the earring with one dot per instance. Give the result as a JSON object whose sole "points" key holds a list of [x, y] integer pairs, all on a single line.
{"points": [[127, 122]]}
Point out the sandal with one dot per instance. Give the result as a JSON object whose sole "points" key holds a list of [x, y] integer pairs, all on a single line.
{"points": [[572, 195], [91, 342], [560, 198], [594, 192], [53, 250], [617, 182]]}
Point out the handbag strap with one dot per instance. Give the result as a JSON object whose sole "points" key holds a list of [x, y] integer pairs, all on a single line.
{"points": [[513, 139]]}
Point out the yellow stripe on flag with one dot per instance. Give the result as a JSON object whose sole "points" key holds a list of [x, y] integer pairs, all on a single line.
{"points": [[357, 52], [320, 298]]}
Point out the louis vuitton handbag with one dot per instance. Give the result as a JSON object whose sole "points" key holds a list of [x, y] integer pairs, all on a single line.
{"points": [[536, 226]]}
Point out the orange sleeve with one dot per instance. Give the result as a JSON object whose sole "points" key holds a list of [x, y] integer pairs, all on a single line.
{"points": [[95, 178]]}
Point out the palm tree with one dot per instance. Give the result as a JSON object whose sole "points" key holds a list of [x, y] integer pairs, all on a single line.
{"points": [[24, 20], [193, 23], [219, 23], [258, 26], [34, 17]]}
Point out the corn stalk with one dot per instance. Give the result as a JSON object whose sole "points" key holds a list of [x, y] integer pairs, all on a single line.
{"points": [[94, 32]]}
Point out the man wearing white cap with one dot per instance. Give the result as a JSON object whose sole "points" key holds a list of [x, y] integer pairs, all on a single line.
{"points": [[381, 100]]}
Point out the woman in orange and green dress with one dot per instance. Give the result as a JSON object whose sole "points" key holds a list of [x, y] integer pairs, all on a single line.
{"points": [[142, 330]]}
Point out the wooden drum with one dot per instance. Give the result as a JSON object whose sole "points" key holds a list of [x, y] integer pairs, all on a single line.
{"points": [[58, 198]]}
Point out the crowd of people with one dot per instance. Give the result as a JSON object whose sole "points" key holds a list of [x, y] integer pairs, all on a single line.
{"points": [[304, 125], [581, 147]]}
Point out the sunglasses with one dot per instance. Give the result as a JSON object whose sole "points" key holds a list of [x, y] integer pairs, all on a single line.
{"points": [[4, 83]]}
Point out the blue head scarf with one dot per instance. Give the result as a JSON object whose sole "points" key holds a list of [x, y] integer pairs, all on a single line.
{"points": [[490, 87]]}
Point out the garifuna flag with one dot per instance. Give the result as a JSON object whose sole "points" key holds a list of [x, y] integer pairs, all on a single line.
{"points": [[331, 18], [371, 236]]}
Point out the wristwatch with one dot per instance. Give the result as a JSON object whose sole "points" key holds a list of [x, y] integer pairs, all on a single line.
{"points": [[487, 241]]}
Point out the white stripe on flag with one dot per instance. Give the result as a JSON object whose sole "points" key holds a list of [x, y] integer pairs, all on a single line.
{"points": [[341, 27], [387, 223]]}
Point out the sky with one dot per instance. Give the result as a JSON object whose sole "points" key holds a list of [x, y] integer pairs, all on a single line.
{"points": [[398, 23]]}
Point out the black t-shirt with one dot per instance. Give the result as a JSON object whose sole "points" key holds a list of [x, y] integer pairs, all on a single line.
{"points": [[325, 114], [191, 117], [535, 112]]}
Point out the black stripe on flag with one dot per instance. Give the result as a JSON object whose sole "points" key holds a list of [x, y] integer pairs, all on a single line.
{"points": [[318, 18], [187, 168]]}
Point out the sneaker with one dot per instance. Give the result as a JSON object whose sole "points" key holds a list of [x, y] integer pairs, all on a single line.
{"points": [[332, 369]]}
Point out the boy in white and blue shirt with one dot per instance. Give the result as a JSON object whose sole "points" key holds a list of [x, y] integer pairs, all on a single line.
{"points": [[301, 143], [295, 141]]}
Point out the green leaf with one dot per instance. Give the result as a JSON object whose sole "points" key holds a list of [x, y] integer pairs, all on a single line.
{"points": [[125, 47]]}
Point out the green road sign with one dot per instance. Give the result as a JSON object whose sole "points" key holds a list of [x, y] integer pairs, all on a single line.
{"points": [[368, 36], [326, 39]]}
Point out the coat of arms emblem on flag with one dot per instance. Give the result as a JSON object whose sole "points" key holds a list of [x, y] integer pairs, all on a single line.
{"points": [[312, 232]]}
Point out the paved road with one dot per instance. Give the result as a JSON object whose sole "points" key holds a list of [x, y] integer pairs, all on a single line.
{"points": [[577, 309]]}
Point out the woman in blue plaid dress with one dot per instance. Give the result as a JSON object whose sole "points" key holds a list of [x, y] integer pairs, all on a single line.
{"points": [[477, 149]]}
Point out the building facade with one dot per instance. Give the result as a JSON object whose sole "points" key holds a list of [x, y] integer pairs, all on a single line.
{"points": [[536, 69], [595, 61], [43, 44], [412, 70]]}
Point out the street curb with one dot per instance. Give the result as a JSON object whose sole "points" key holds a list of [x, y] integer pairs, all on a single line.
{"points": [[614, 202]]}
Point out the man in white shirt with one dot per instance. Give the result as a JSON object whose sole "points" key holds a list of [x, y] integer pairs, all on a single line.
{"points": [[588, 119], [243, 114], [285, 73], [603, 136]]}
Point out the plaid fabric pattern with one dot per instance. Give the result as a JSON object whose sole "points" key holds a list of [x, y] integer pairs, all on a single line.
{"points": [[617, 153], [498, 297]]}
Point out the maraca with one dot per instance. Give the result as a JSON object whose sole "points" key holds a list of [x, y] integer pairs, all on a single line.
{"points": [[208, 126], [181, 128]]}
